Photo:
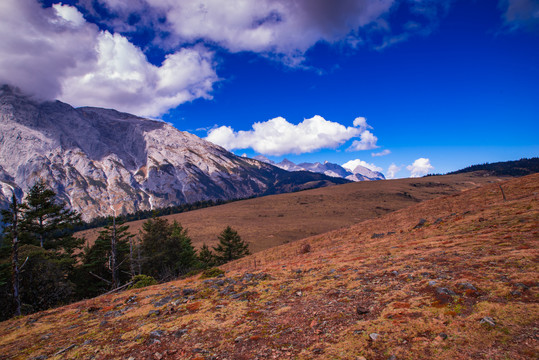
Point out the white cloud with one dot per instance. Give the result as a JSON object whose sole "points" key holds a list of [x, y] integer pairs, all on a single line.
{"points": [[381, 153], [280, 29], [352, 164], [367, 142], [520, 13], [420, 167], [278, 137], [392, 171], [54, 53], [122, 78]]}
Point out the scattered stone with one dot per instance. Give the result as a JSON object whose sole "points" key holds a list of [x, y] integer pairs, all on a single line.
{"points": [[131, 358], [358, 332], [227, 290], [488, 320], [318, 351], [131, 299], [113, 313], [395, 273], [391, 233], [360, 310], [298, 271], [188, 291], [40, 357], [420, 224], [87, 342], [238, 339], [437, 221], [179, 333], [467, 285], [522, 286], [103, 323], [220, 282], [248, 277], [516, 293], [445, 291], [154, 312], [157, 356], [377, 236], [157, 333], [443, 336], [299, 293], [163, 301], [392, 357], [374, 336]]}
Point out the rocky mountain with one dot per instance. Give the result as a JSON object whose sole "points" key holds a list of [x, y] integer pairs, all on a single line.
{"points": [[101, 161], [358, 173]]}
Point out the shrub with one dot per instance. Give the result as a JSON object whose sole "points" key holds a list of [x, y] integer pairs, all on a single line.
{"points": [[140, 281], [211, 273]]}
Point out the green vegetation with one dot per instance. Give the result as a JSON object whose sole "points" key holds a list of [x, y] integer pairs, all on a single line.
{"points": [[141, 280], [211, 273], [230, 247], [520, 167]]}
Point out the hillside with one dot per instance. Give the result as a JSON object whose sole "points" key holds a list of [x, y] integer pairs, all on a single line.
{"points": [[520, 167], [273, 220], [449, 278]]}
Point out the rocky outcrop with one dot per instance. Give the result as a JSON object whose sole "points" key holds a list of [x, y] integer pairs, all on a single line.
{"points": [[101, 161]]}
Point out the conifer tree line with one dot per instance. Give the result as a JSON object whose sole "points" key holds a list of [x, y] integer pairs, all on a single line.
{"points": [[43, 264]]}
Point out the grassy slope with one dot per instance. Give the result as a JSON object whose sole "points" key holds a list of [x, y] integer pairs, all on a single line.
{"points": [[269, 221], [305, 306]]}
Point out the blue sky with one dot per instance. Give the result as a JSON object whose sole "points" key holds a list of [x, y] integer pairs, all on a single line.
{"points": [[419, 86]]}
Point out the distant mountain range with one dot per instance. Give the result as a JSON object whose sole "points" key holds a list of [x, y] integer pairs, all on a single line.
{"points": [[101, 161], [358, 173]]}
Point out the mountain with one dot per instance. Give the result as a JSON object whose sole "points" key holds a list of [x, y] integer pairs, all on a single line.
{"points": [[357, 173], [101, 161]]}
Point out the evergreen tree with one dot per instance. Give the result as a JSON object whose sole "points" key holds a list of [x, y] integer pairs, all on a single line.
{"points": [[230, 247], [166, 249], [206, 257], [11, 220], [47, 223], [105, 264]]}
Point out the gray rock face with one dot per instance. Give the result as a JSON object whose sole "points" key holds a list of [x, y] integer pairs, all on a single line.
{"points": [[102, 162]]}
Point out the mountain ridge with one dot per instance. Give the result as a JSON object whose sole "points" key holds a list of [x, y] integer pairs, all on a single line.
{"points": [[103, 162], [358, 173]]}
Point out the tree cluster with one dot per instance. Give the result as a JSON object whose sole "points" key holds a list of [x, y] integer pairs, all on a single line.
{"points": [[42, 263]]}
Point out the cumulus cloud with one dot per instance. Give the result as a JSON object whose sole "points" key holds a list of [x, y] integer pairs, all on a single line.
{"points": [[278, 137], [392, 171], [520, 14], [353, 164], [381, 153], [55, 53], [367, 142], [420, 167]]}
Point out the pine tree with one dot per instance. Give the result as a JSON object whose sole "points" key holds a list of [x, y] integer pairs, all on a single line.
{"points": [[47, 223], [11, 219], [230, 247], [107, 260], [166, 249], [206, 257]]}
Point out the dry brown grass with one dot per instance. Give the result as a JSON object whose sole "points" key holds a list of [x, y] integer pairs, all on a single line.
{"points": [[325, 303], [279, 219]]}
